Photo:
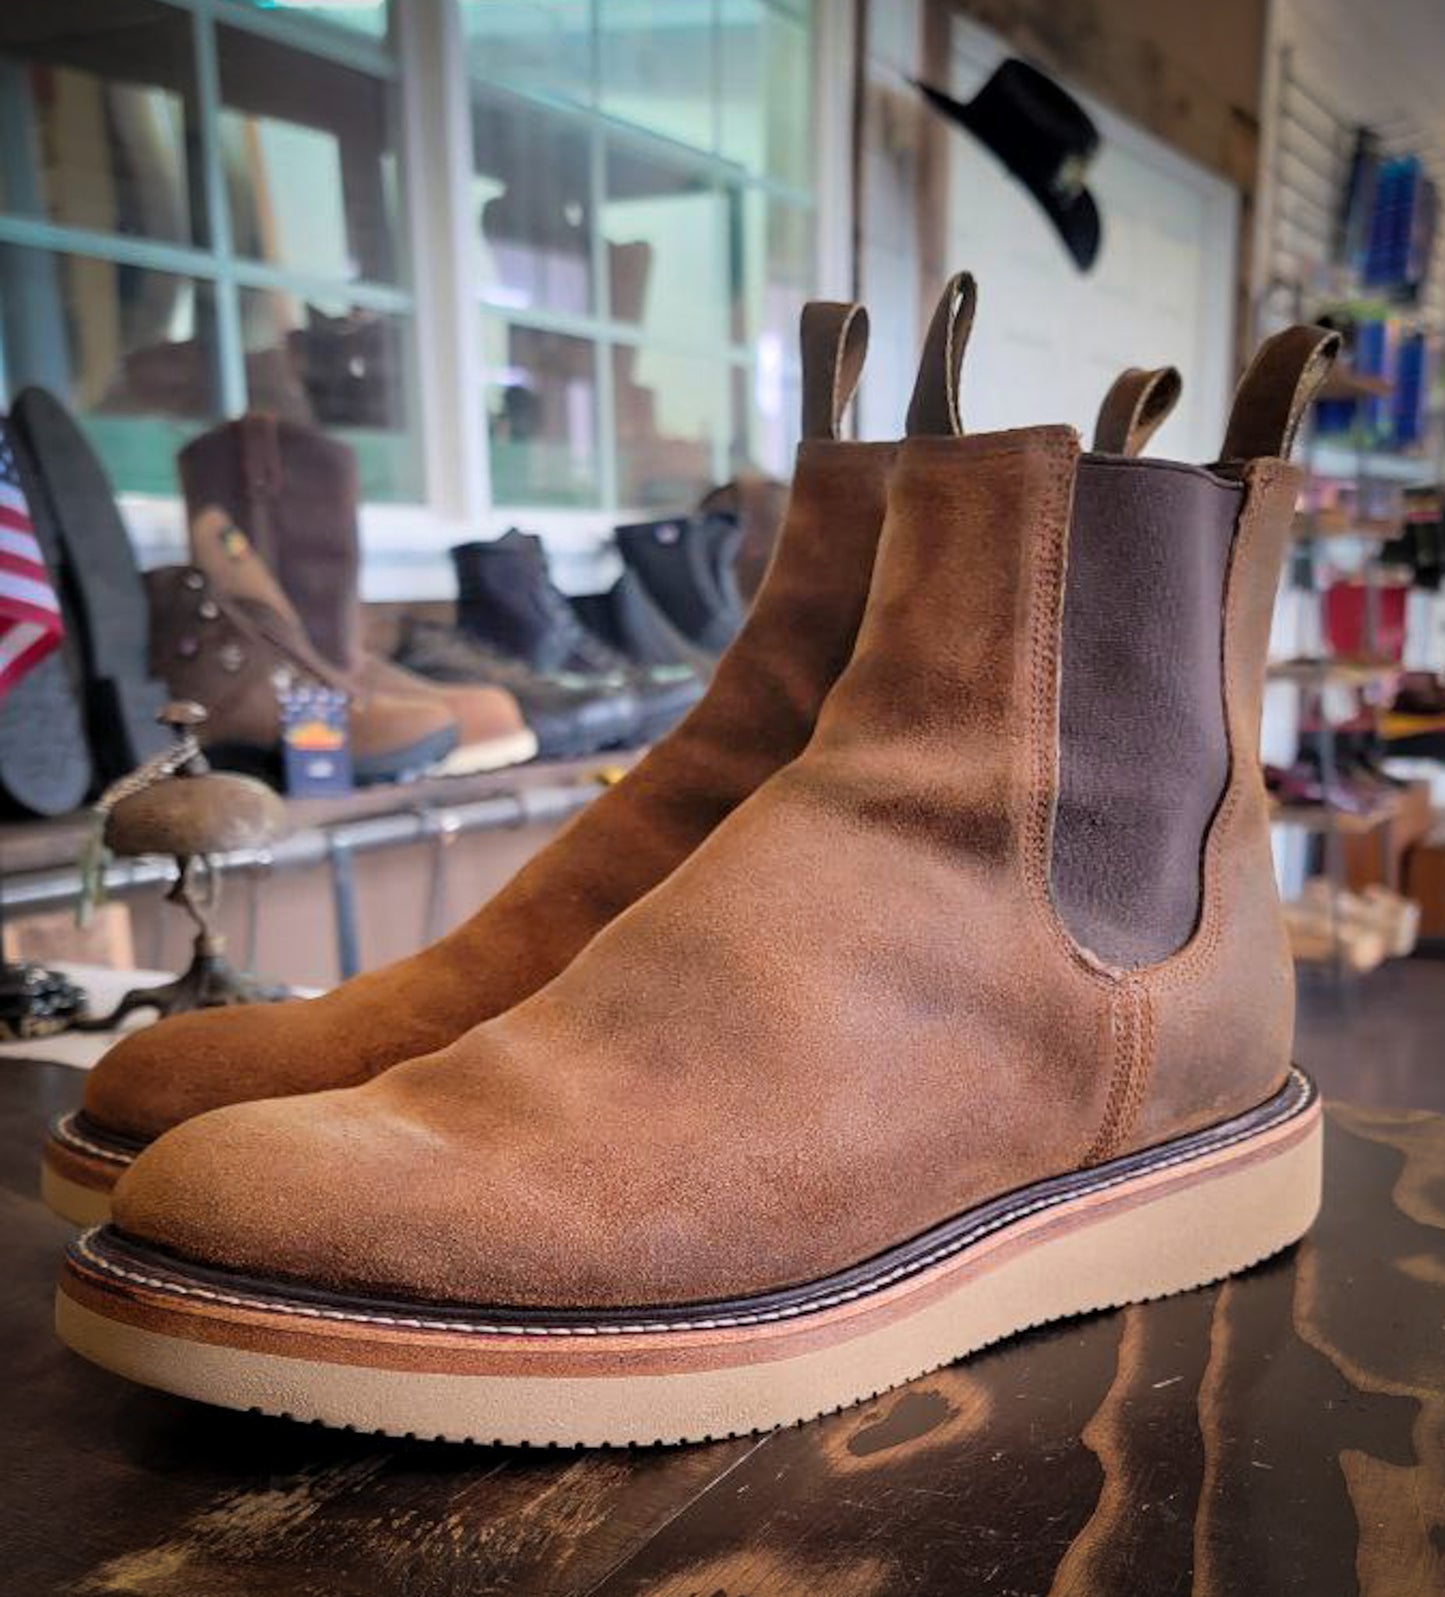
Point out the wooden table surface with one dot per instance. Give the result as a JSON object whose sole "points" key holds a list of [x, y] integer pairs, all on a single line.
{"points": [[1283, 1433]]}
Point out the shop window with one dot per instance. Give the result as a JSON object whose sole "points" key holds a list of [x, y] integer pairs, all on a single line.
{"points": [[346, 368], [658, 67], [671, 415], [132, 351], [532, 207], [542, 416], [762, 64], [665, 227], [310, 160], [356, 16], [541, 47], [642, 192], [179, 241]]}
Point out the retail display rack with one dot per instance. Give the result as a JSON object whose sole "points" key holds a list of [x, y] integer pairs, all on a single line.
{"points": [[1348, 647]]}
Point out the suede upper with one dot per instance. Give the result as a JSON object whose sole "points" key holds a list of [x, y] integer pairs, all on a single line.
{"points": [[757, 714]]}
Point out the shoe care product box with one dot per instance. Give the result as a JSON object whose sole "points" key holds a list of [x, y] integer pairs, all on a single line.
{"points": [[315, 748]]}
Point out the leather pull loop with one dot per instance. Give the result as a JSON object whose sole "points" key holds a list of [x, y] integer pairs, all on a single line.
{"points": [[933, 410], [1273, 395], [1137, 405], [834, 339]]}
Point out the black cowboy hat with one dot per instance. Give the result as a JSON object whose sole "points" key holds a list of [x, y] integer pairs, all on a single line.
{"points": [[1044, 137]]}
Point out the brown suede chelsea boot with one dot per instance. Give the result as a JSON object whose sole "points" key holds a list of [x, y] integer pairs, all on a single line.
{"points": [[976, 1015], [757, 714]]}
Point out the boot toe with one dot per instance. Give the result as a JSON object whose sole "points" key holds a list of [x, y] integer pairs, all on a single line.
{"points": [[243, 1188], [323, 1190], [185, 1065], [154, 1078]]}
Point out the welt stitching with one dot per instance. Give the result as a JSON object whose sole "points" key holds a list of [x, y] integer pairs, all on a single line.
{"points": [[64, 1132], [1294, 1096]]}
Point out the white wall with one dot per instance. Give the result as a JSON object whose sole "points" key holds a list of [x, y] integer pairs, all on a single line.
{"points": [[1048, 339]]}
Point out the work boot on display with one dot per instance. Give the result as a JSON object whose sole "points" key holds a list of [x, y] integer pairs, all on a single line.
{"points": [[631, 620], [976, 1015], [229, 651], [686, 564], [506, 599], [293, 492], [756, 716], [569, 715]]}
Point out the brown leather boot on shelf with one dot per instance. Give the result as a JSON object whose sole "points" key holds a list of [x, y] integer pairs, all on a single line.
{"points": [[294, 493], [976, 1015], [756, 716], [228, 652]]}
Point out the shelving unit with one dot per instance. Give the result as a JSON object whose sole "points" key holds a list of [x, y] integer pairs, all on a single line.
{"points": [[1304, 278]]}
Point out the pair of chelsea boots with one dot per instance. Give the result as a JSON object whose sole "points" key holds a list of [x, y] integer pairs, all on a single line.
{"points": [[928, 983]]}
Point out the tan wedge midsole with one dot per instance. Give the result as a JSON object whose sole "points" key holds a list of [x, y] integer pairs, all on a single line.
{"points": [[76, 1201], [1163, 1230], [78, 1172]]}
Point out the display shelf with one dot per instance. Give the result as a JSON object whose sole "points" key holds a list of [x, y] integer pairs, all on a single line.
{"points": [[1347, 463], [1324, 818], [29, 849], [1336, 523], [1322, 946], [1334, 673]]}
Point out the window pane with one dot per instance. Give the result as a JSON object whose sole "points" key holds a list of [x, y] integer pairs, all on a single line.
{"points": [[766, 107], [544, 46], [132, 352], [665, 228], [342, 368], [95, 102], [541, 416], [359, 16], [670, 409], [658, 65], [311, 163], [767, 396], [773, 269], [533, 206]]}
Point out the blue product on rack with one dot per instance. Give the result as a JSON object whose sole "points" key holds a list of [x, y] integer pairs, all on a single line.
{"points": [[1420, 246], [1371, 358], [1407, 420], [1379, 251], [1401, 234]]}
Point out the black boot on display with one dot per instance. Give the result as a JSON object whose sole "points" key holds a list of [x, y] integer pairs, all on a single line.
{"points": [[686, 565], [507, 600]]}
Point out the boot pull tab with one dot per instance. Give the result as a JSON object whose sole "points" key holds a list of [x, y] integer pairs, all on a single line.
{"points": [[933, 410], [1137, 405], [835, 340], [1274, 393]]}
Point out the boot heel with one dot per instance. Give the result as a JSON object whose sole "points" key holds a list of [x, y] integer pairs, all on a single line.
{"points": [[1165, 1231]]}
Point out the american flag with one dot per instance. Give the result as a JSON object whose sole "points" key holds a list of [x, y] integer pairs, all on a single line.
{"points": [[30, 624]]}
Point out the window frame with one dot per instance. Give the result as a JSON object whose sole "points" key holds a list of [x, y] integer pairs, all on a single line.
{"points": [[438, 288], [722, 176]]}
